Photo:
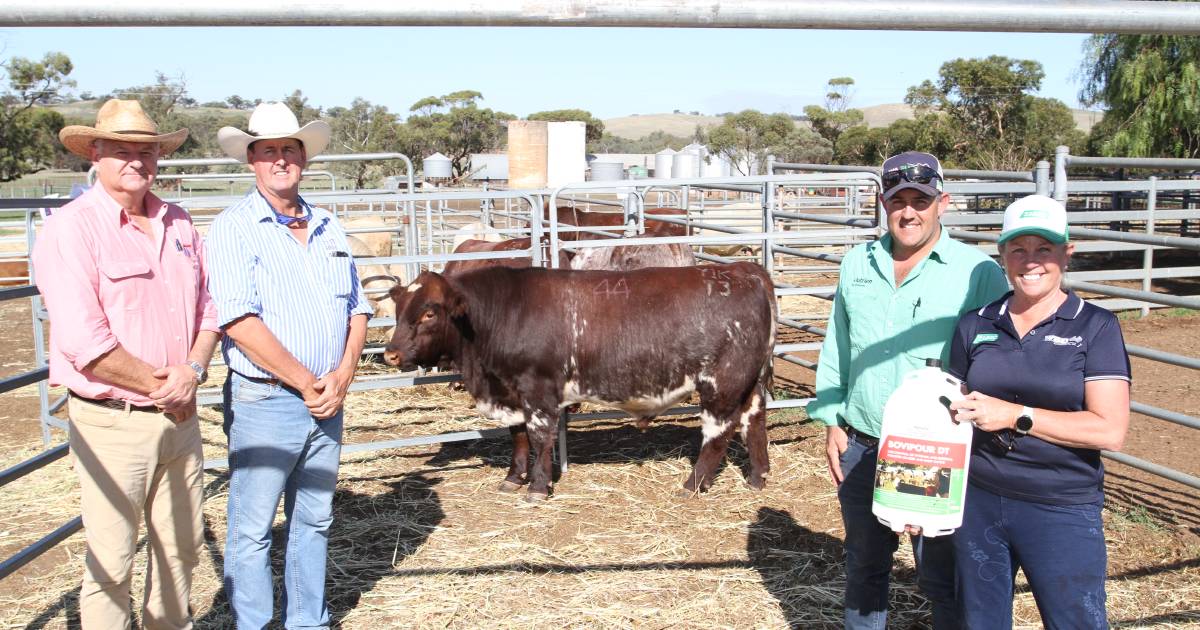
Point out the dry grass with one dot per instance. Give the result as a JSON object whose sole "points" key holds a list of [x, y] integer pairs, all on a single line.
{"points": [[422, 539]]}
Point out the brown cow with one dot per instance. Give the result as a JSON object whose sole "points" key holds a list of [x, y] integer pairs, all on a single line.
{"points": [[614, 223], [459, 267], [531, 342], [625, 258]]}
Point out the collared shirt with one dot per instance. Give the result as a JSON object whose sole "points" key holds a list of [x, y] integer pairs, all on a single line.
{"points": [[879, 332], [305, 295], [105, 282], [1047, 369]]}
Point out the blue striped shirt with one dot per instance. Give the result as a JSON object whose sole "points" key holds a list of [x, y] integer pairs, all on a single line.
{"points": [[304, 295]]}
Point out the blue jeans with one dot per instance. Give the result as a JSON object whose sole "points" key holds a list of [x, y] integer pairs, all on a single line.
{"points": [[870, 547], [1060, 547], [277, 448]]}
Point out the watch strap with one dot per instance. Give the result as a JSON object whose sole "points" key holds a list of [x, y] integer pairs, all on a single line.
{"points": [[1024, 423], [201, 373]]}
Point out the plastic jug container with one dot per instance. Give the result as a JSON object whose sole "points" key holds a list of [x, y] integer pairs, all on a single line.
{"points": [[924, 456]]}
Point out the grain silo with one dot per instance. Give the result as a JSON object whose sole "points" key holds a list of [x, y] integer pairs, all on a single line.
{"points": [[716, 166], [684, 165], [662, 162], [700, 152], [566, 152], [528, 144], [436, 167]]}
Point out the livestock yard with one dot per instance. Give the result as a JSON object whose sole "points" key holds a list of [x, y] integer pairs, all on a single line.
{"points": [[424, 539]]}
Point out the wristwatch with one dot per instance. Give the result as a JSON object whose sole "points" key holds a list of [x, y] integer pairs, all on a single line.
{"points": [[1024, 422], [201, 373]]}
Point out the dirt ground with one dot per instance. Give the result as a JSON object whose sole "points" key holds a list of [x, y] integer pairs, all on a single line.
{"points": [[423, 540]]}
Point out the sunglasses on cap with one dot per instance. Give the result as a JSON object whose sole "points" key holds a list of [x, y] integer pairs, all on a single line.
{"points": [[911, 173]]}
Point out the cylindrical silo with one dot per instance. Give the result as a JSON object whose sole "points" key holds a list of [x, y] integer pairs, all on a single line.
{"points": [[684, 165], [662, 162], [566, 145], [701, 152], [528, 142], [436, 166], [714, 167], [696, 148], [607, 171]]}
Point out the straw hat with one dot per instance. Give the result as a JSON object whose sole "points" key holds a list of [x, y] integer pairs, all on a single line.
{"points": [[123, 121], [271, 121]]}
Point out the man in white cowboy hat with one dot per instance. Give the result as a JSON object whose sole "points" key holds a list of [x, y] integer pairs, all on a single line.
{"points": [[295, 319], [132, 329]]}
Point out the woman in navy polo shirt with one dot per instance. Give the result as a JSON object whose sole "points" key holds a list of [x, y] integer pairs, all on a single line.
{"points": [[1049, 389]]}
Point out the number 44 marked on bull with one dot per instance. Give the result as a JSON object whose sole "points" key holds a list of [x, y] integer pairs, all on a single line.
{"points": [[610, 289]]}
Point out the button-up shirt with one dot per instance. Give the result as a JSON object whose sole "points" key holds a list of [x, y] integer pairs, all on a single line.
{"points": [[305, 295], [106, 282], [878, 332]]}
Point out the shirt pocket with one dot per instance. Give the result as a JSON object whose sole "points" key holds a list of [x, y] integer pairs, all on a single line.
{"points": [[187, 249], [926, 334], [126, 281], [339, 273]]}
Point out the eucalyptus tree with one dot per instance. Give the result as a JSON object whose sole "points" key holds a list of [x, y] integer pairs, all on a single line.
{"points": [[28, 133], [1150, 87]]}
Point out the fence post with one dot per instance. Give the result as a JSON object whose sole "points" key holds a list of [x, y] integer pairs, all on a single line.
{"points": [[1041, 178], [1148, 254], [768, 219], [1062, 155]]}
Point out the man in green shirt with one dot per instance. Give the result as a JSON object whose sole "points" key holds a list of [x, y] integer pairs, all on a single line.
{"points": [[897, 303]]}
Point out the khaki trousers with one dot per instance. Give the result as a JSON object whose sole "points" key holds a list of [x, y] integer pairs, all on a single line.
{"points": [[132, 463]]}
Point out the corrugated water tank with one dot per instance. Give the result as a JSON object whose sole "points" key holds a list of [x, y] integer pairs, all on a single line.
{"points": [[607, 171]]}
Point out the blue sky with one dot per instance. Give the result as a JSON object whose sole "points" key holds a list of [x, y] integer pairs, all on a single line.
{"points": [[608, 71]]}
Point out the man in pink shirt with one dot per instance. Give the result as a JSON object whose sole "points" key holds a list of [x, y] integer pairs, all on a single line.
{"points": [[132, 329]]}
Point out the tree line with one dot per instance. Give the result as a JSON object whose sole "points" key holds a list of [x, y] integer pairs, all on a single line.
{"points": [[977, 113]]}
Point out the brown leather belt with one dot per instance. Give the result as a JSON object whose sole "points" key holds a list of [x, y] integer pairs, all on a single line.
{"points": [[862, 438], [258, 379], [120, 405]]}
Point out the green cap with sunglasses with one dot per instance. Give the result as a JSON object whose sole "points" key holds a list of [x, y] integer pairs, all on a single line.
{"points": [[912, 169]]}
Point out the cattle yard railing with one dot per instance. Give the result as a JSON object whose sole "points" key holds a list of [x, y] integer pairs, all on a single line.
{"points": [[1083, 16], [780, 215], [1102, 240]]}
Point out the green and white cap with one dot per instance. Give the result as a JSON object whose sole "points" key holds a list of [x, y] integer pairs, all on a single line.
{"points": [[1036, 214]]}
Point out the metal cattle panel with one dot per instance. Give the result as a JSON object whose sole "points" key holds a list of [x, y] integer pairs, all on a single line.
{"points": [[1030, 16]]}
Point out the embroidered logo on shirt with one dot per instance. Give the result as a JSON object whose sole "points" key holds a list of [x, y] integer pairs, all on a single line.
{"points": [[1064, 341], [985, 338], [861, 281]]}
